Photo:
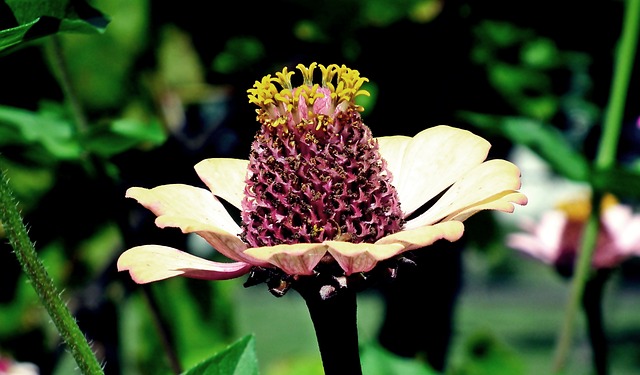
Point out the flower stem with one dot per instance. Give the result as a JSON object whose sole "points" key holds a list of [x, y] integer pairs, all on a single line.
{"points": [[592, 305], [624, 63], [335, 323], [605, 159], [580, 276], [42, 282]]}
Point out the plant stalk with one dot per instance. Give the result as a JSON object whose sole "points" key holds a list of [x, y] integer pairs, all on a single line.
{"points": [[42, 282], [605, 159], [335, 323]]}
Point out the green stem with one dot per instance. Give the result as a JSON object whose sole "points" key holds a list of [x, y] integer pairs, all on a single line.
{"points": [[605, 159], [624, 63], [42, 282], [580, 276]]}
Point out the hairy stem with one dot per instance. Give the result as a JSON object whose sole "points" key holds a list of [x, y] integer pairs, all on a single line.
{"points": [[42, 282]]}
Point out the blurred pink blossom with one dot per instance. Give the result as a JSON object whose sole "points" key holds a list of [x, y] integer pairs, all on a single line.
{"points": [[555, 238]]}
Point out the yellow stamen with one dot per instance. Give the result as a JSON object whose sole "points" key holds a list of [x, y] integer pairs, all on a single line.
{"points": [[578, 209], [344, 85]]}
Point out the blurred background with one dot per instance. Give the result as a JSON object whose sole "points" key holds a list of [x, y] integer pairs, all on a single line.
{"points": [[165, 87]]}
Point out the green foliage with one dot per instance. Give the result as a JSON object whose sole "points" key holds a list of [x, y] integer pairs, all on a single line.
{"points": [[378, 361], [237, 359], [485, 354], [544, 139], [35, 19]]}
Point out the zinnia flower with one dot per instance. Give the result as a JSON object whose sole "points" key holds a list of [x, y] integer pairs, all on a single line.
{"points": [[556, 237], [319, 193]]}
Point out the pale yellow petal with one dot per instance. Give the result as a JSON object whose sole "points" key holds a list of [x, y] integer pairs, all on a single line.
{"points": [[491, 184], [500, 202], [425, 165], [361, 257], [228, 244], [424, 236], [185, 201], [295, 259], [224, 177], [153, 262]]}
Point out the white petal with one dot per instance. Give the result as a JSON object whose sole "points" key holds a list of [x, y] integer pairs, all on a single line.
{"points": [[153, 262], [361, 257], [425, 165], [426, 235], [185, 201], [224, 177], [193, 209], [295, 259], [487, 184]]}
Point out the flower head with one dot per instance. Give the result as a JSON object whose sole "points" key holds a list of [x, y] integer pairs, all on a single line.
{"points": [[555, 238], [319, 193]]}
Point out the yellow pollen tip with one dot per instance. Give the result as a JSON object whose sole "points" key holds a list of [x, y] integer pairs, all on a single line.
{"points": [[343, 84], [578, 210]]}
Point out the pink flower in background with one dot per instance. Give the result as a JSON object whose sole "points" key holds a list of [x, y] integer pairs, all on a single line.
{"points": [[11, 367], [555, 238], [320, 192]]}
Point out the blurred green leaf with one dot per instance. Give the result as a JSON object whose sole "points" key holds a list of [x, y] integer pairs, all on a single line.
{"points": [[378, 361], [620, 182], [27, 20], [237, 359], [485, 354], [25, 127], [546, 140], [123, 134], [239, 53]]}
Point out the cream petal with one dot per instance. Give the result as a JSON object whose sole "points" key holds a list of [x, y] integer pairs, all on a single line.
{"points": [[491, 184], [425, 165], [295, 259], [500, 202], [361, 257], [193, 209], [225, 178], [185, 201], [228, 244], [426, 235], [154, 262]]}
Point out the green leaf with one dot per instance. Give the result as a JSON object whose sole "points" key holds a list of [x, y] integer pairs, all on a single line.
{"points": [[544, 139], [54, 134], [617, 181], [237, 359], [378, 361], [28, 20], [123, 134], [486, 354]]}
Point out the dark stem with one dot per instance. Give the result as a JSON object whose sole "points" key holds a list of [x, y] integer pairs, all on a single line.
{"points": [[592, 305], [335, 323]]}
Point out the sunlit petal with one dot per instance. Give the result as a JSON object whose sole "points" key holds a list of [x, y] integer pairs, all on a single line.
{"points": [[426, 235], [153, 262], [228, 244], [224, 177], [426, 164], [361, 257], [185, 201], [296, 259], [491, 184]]}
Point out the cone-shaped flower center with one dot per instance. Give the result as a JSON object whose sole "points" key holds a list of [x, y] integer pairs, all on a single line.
{"points": [[315, 172]]}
